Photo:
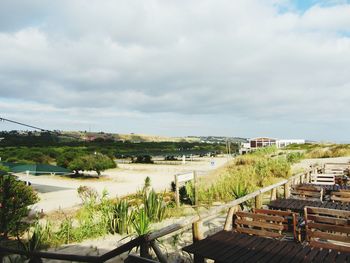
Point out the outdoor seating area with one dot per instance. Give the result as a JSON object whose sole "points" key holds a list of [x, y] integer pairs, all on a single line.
{"points": [[311, 224]]}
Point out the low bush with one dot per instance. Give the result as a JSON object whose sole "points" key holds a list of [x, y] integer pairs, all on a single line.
{"points": [[15, 198]]}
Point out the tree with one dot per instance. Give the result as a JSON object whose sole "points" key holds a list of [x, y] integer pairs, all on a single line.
{"points": [[93, 162], [15, 197]]}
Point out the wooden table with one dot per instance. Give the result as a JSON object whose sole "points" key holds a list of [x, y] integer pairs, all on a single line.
{"points": [[228, 246], [297, 205]]}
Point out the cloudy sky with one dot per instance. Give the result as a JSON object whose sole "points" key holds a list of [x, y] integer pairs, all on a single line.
{"points": [[209, 67]]}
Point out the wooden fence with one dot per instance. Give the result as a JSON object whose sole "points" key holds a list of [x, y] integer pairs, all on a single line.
{"points": [[196, 222]]}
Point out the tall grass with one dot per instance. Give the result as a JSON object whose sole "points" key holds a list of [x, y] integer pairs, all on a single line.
{"points": [[244, 175]]}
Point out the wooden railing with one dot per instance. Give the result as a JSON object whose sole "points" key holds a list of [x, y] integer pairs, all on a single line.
{"points": [[196, 222]]}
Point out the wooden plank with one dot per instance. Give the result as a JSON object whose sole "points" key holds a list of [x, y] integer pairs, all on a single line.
{"points": [[328, 236], [323, 245], [329, 220], [249, 257], [242, 244], [261, 216], [258, 232], [329, 227], [260, 224], [325, 211], [269, 255]]}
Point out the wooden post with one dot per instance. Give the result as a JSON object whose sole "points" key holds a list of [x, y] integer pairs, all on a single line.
{"points": [[195, 185], [144, 250], [273, 194], [301, 179], [177, 195], [197, 233], [229, 217], [258, 201], [286, 190], [309, 177], [160, 256]]}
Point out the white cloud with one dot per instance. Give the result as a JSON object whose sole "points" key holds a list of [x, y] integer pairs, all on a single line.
{"points": [[193, 60]]}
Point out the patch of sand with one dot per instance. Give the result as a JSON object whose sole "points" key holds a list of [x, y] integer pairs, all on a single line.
{"points": [[61, 193]]}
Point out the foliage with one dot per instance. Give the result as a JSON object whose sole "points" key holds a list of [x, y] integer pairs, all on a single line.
{"points": [[295, 157], [15, 197], [154, 206], [121, 217], [4, 169], [141, 222], [245, 174], [92, 162], [239, 190], [143, 159]]}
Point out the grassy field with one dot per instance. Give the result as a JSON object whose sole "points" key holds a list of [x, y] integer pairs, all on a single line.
{"points": [[322, 150]]}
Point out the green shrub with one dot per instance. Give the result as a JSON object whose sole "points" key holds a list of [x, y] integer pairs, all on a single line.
{"points": [[154, 206], [121, 217], [141, 222], [15, 197], [294, 157]]}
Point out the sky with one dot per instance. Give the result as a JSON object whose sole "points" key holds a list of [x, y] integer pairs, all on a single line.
{"points": [[242, 68]]}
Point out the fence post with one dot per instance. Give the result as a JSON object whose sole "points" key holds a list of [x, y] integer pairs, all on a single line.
{"points": [[195, 185], [286, 190], [197, 233], [177, 197], [229, 217], [159, 254], [273, 194], [258, 201]]}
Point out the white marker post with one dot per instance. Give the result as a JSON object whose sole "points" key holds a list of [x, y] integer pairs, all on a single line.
{"points": [[27, 181]]}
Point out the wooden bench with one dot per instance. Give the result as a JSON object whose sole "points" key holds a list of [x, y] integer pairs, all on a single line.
{"points": [[328, 228], [323, 179], [307, 192], [342, 196], [266, 223]]}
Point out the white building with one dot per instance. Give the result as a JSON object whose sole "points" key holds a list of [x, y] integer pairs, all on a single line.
{"points": [[256, 143]]}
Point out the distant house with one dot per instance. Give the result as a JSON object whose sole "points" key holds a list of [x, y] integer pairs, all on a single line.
{"points": [[259, 142]]}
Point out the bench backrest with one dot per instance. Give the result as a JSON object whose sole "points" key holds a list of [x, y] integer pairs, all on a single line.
{"points": [[307, 192], [289, 223], [335, 168], [342, 196], [261, 224], [323, 179], [328, 228]]}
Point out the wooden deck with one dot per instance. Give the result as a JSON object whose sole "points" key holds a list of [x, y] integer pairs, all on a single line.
{"points": [[228, 246], [297, 205]]}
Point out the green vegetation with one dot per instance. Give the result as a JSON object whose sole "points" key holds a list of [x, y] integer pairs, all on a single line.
{"points": [[246, 174], [49, 148], [92, 162], [15, 197], [100, 216], [322, 150]]}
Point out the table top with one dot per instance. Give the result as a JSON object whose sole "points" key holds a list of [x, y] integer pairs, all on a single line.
{"points": [[297, 205], [228, 246]]}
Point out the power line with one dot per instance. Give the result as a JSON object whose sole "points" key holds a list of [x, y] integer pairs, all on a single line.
{"points": [[23, 124], [38, 128]]}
